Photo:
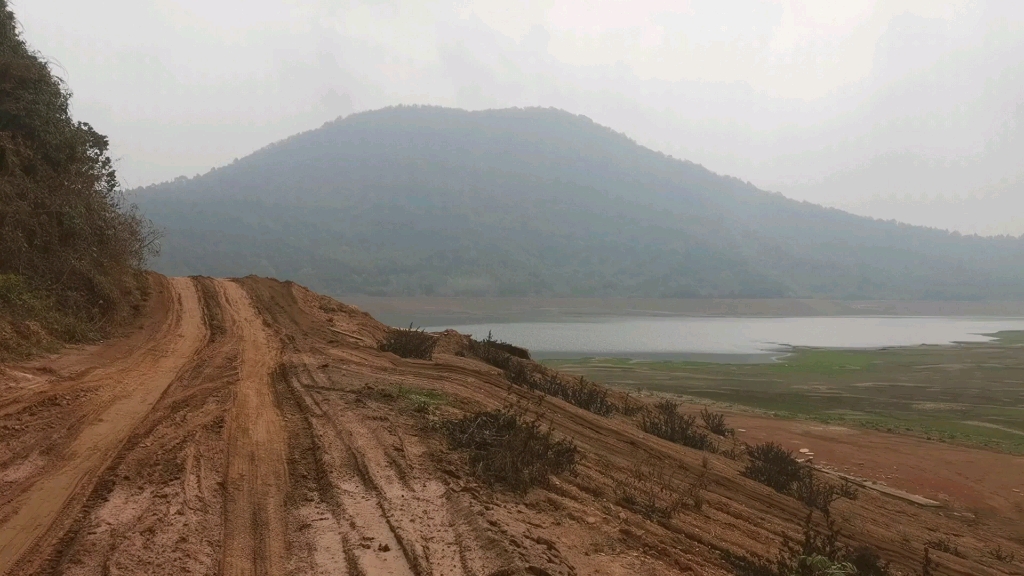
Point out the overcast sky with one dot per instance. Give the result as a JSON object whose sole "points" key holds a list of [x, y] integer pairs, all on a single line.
{"points": [[905, 109]]}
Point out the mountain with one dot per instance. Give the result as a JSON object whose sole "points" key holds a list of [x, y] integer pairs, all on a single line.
{"points": [[427, 200]]}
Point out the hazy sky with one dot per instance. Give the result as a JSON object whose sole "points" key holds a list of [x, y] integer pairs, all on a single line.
{"points": [[906, 109]]}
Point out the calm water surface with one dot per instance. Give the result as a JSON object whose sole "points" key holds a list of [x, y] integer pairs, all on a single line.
{"points": [[731, 339]]}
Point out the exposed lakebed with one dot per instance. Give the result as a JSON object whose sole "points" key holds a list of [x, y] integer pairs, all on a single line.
{"points": [[730, 339]]}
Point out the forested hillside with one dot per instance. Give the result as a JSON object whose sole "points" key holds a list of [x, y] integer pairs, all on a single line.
{"points": [[71, 248], [425, 200]]}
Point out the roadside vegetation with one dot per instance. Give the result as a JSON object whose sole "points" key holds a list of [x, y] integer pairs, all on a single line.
{"points": [[666, 422], [409, 343], [507, 448], [526, 374], [71, 247]]}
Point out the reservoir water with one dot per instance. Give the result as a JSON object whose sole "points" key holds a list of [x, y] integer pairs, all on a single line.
{"points": [[730, 339]]}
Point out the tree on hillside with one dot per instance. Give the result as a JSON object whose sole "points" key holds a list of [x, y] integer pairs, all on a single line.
{"points": [[71, 247]]}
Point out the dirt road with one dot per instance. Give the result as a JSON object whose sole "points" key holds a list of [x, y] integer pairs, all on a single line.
{"points": [[251, 427]]}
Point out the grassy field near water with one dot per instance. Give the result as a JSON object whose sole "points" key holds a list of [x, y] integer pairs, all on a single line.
{"points": [[971, 393]]}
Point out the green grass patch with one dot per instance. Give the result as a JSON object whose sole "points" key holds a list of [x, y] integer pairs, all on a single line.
{"points": [[967, 393], [422, 400]]}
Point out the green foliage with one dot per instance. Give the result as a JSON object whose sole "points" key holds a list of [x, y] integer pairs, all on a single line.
{"points": [[519, 202], [70, 246], [422, 401], [967, 393]]}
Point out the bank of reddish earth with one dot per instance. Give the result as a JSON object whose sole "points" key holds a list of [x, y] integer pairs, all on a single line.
{"points": [[252, 427]]}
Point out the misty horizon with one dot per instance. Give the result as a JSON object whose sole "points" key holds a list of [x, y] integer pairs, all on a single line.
{"points": [[908, 111]]}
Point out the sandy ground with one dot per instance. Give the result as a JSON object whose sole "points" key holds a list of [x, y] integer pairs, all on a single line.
{"points": [[252, 427]]}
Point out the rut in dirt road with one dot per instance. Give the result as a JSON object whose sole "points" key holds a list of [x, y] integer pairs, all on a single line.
{"points": [[251, 427], [257, 475], [121, 395]]}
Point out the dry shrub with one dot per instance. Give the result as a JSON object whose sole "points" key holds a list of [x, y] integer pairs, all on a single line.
{"points": [[819, 495], [579, 392], [699, 484], [945, 545], [715, 423], [409, 343], [665, 421], [510, 450], [998, 554], [519, 371], [774, 466], [820, 553], [493, 352], [629, 406], [651, 490], [658, 492], [498, 345]]}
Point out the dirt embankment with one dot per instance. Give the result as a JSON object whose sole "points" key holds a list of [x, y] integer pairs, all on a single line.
{"points": [[252, 427]]}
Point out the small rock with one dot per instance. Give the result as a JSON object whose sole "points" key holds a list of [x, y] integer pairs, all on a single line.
{"points": [[383, 548], [805, 450], [591, 520]]}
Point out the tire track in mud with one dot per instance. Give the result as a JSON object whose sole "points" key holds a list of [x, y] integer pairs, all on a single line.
{"points": [[129, 388], [157, 509], [344, 513], [374, 487], [365, 501], [256, 479]]}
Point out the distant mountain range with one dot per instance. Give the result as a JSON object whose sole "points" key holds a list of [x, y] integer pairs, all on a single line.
{"points": [[438, 201]]}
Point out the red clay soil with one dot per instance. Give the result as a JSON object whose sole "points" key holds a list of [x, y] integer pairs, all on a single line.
{"points": [[252, 427]]}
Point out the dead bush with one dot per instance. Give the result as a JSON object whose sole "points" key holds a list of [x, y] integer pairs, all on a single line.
{"points": [[715, 423], [774, 466], [510, 450], [579, 392], [651, 490], [945, 545], [629, 406], [819, 495], [501, 355], [735, 449], [409, 343], [698, 485], [928, 565], [999, 555], [820, 553], [510, 349], [665, 421], [657, 491]]}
